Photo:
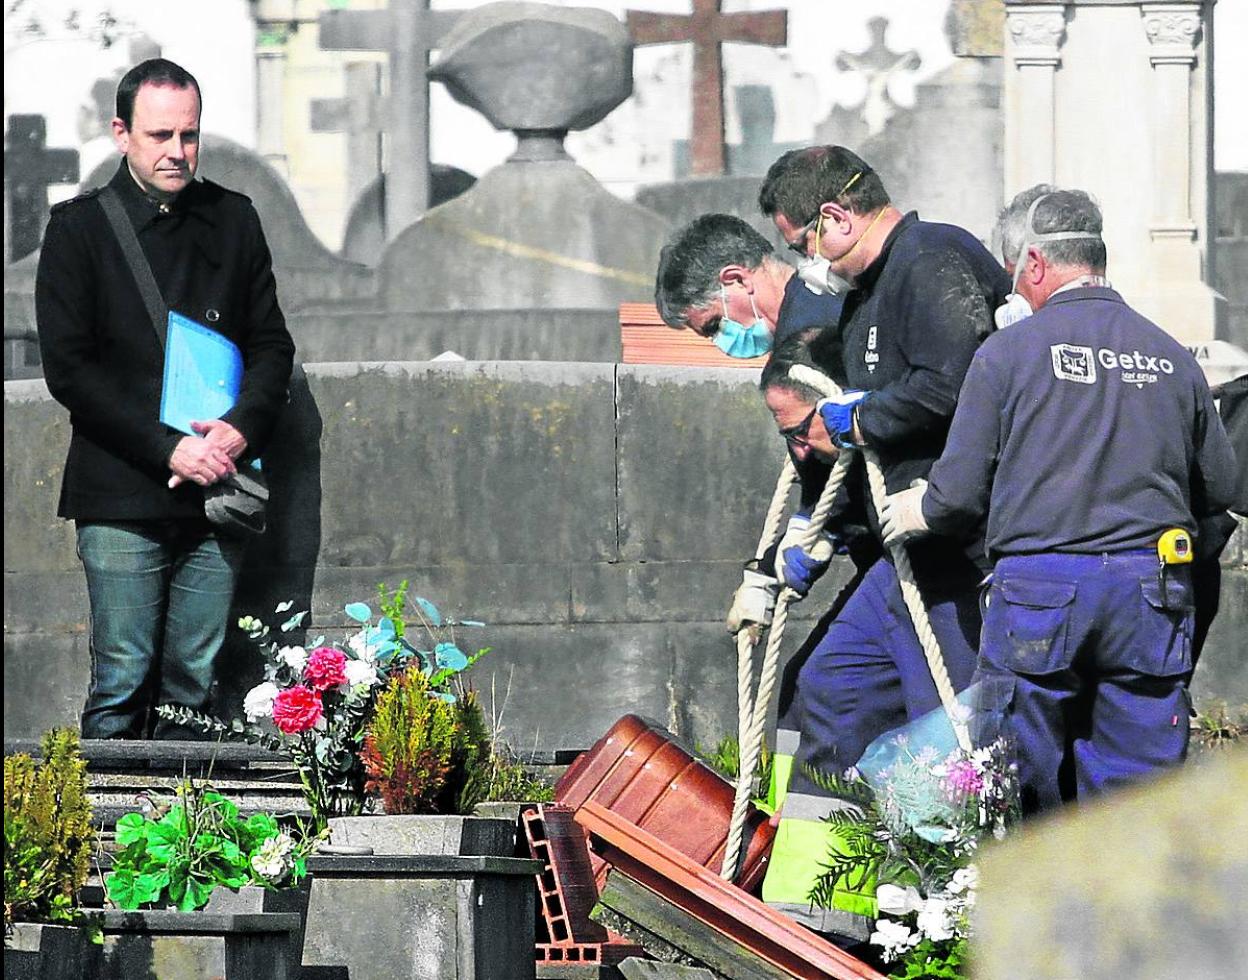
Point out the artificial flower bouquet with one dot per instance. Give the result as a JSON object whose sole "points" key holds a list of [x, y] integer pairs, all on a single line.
{"points": [[922, 803], [315, 702]]}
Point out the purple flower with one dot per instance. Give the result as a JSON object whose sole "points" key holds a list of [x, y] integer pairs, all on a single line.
{"points": [[964, 778]]}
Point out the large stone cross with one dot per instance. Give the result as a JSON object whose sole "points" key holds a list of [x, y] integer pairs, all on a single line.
{"points": [[406, 30], [29, 169], [877, 64], [708, 28]]}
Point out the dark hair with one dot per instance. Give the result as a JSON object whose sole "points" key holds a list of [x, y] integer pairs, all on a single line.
{"points": [[792, 351], [801, 181], [689, 265], [1071, 211], [154, 71]]}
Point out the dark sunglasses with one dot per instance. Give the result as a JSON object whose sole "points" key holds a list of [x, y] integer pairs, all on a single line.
{"points": [[798, 433], [798, 245]]}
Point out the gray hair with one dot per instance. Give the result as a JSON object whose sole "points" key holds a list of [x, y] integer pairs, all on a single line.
{"points": [[1055, 212], [690, 263], [1012, 221]]}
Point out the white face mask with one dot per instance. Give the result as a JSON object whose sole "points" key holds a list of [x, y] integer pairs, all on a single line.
{"points": [[817, 275], [1016, 307]]}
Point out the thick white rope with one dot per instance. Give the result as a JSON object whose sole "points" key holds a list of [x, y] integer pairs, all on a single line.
{"points": [[905, 574], [752, 707]]}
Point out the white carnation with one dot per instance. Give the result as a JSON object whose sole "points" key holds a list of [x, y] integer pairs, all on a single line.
{"points": [[360, 672], [296, 658], [934, 920], [258, 702]]}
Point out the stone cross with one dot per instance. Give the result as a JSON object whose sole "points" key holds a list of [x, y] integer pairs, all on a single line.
{"points": [[708, 28], [29, 169], [878, 64], [359, 115], [406, 30]]}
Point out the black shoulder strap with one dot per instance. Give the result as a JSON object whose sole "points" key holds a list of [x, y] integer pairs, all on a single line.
{"points": [[137, 261]]}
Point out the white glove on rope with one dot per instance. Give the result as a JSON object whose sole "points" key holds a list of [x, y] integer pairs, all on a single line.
{"points": [[901, 514], [753, 602]]}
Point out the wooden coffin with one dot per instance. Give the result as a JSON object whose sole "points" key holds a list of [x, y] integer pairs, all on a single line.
{"points": [[747, 928], [641, 773]]}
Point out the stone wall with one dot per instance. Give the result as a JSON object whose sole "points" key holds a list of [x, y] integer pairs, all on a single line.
{"points": [[594, 515]]}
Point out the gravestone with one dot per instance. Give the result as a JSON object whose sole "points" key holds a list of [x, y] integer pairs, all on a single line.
{"points": [[1231, 257], [30, 168], [365, 237], [1145, 883], [708, 28], [537, 231], [406, 30]]}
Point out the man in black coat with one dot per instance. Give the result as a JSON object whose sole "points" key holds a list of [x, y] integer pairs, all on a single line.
{"points": [[159, 576]]}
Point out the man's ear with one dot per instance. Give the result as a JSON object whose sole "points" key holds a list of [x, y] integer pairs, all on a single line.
{"points": [[730, 275], [121, 135], [833, 213], [1035, 265]]}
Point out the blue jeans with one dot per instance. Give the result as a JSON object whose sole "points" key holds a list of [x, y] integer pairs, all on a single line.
{"points": [[160, 595], [1084, 662], [868, 674]]}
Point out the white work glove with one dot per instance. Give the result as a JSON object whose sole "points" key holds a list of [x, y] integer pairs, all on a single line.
{"points": [[798, 567], [901, 514], [753, 602]]}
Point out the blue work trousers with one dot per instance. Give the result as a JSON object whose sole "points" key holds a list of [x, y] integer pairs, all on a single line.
{"points": [[160, 594], [868, 675], [1085, 661]]}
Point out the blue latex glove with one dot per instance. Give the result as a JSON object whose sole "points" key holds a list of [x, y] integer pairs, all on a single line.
{"points": [[838, 416], [800, 569]]}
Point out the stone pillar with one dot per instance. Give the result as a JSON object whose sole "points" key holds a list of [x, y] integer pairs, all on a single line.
{"points": [[1034, 36], [1114, 97], [1172, 30]]}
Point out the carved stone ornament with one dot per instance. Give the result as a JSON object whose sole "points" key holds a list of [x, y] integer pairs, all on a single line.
{"points": [[1172, 29], [1036, 33]]}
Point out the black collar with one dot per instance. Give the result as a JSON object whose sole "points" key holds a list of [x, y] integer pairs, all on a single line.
{"points": [[872, 272], [143, 208]]}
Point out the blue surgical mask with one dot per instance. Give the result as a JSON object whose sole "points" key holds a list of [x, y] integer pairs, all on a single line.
{"points": [[738, 340]]}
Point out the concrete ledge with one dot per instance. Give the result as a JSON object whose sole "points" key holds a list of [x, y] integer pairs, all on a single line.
{"points": [[420, 866]]}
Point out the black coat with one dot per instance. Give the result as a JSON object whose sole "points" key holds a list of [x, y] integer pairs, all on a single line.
{"points": [[103, 361]]}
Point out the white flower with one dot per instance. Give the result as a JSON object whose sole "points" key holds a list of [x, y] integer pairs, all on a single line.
{"points": [[964, 879], [365, 644], [272, 860], [361, 672], [934, 920], [259, 701], [894, 938], [296, 658], [898, 901]]}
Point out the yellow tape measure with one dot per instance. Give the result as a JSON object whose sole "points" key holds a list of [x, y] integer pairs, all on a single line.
{"points": [[1175, 547]]}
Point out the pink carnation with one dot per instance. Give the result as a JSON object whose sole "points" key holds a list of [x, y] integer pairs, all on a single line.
{"points": [[964, 778], [296, 709], [326, 668]]}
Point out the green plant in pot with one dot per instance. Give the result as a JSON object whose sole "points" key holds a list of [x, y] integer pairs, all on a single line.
{"points": [[184, 848], [48, 834]]}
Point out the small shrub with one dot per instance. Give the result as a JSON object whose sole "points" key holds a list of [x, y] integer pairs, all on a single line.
{"points": [[48, 836]]}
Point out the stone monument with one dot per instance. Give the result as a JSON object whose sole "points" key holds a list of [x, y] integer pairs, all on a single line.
{"points": [[537, 231], [1114, 96]]}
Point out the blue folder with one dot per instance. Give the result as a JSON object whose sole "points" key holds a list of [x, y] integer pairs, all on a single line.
{"points": [[203, 374]]}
